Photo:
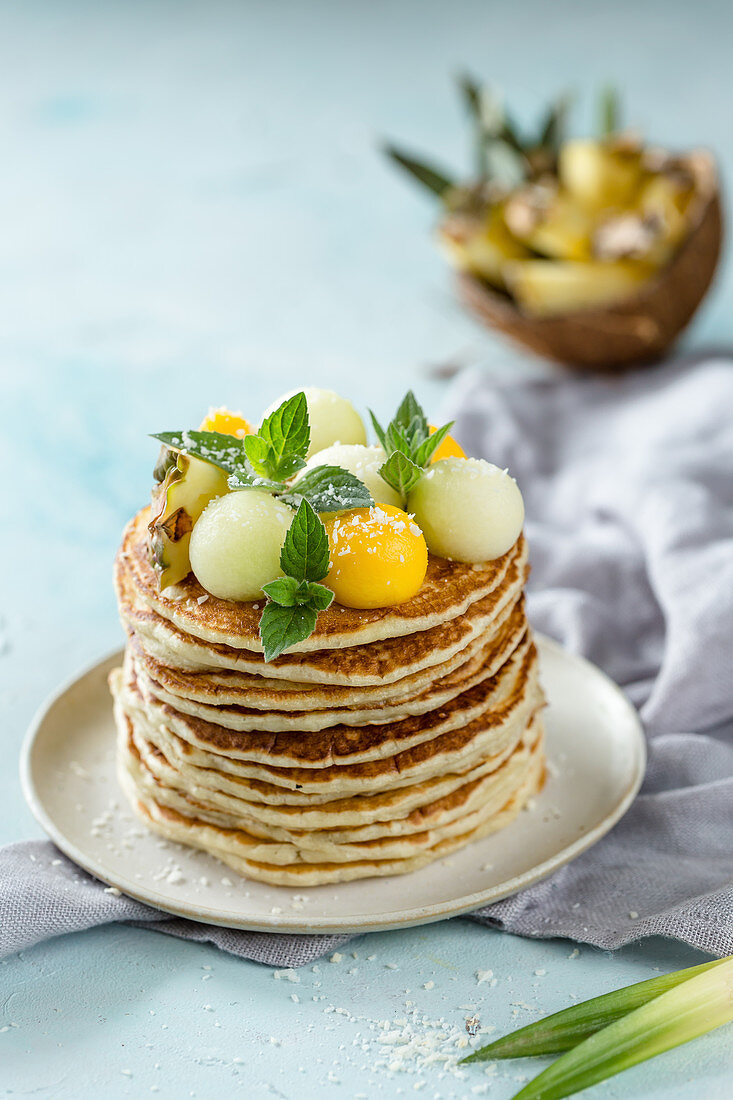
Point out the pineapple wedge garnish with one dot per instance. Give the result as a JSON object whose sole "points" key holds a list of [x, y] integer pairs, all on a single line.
{"points": [[178, 501]]}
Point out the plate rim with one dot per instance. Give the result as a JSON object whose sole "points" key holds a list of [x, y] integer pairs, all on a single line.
{"points": [[288, 924]]}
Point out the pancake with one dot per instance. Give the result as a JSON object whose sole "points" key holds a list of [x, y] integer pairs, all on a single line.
{"points": [[387, 739]]}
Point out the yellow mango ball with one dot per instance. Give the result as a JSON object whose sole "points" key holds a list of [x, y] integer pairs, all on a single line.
{"points": [[226, 422], [447, 448], [332, 418], [361, 461], [236, 543], [378, 557], [469, 509]]}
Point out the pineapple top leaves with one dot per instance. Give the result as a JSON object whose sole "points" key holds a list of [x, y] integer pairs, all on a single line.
{"points": [[503, 154], [291, 613], [408, 444]]}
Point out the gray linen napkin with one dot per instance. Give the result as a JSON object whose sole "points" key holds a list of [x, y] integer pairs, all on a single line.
{"points": [[628, 484], [629, 490]]}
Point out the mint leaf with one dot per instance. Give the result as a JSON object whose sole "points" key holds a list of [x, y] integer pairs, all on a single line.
{"points": [[287, 432], [283, 627], [259, 454], [379, 431], [305, 551], [410, 416], [398, 440], [289, 592], [429, 446], [285, 591], [319, 596], [245, 478], [401, 473], [225, 451], [329, 489]]}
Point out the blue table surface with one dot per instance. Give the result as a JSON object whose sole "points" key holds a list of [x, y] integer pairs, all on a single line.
{"points": [[195, 213]]}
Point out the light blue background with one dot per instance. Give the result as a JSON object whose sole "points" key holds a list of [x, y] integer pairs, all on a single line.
{"points": [[194, 212]]}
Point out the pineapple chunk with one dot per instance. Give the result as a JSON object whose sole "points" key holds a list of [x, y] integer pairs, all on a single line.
{"points": [[667, 197], [226, 422], [599, 176], [551, 223], [480, 247], [546, 287], [178, 502]]}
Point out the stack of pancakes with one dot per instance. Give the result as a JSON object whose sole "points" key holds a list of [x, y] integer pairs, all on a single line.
{"points": [[386, 740]]}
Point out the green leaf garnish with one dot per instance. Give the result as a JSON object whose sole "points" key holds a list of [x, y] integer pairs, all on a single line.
{"points": [[410, 416], [284, 436], [408, 443], [282, 627], [401, 473], [379, 431], [245, 478], [320, 596], [429, 446], [258, 452], [305, 551], [225, 451], [290, 592], [291, 614], [329, 489]]}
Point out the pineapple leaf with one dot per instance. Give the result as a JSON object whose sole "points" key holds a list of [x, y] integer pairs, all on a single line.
{"points": [[224, 451], [429, 176], [552, 130], [609, 111]]}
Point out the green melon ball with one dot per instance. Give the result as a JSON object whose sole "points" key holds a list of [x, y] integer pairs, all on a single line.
{"points": [[469, 510], [236, 543], [332, 418], [364, 462]]}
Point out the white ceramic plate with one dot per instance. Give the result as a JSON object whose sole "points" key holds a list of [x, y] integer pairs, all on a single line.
{"points": [[596, 755]]}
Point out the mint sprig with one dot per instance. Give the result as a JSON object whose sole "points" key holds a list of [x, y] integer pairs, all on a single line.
{"points": [[291, 614], [408, 444], [266, 461], [279, 448]]}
